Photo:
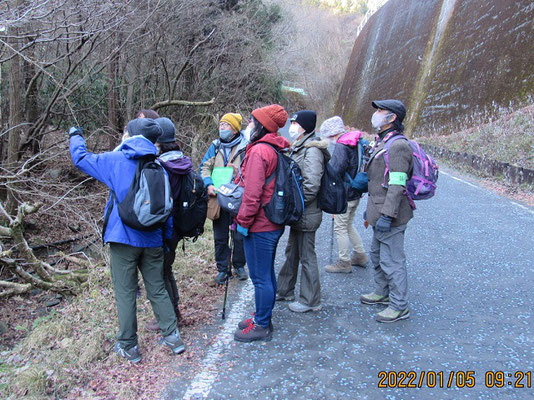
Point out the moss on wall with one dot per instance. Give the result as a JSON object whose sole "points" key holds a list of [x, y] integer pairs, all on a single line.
{"points": [[448, 71]]}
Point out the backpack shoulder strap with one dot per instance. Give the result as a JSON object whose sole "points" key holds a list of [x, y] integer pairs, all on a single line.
{"points": [[387, 145], [237, 154], [271, 177]]}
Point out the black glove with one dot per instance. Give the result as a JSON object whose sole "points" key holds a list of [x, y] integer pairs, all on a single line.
{"points": [[75, 131], [384, 223], [365, 215]]}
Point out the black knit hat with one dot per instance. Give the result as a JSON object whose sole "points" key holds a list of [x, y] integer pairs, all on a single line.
{"points": [[305, 118], [169, 131], [146, 127], [395, 106]]}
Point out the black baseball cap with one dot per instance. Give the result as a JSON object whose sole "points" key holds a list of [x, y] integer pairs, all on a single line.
{"points": [[395, 106]]}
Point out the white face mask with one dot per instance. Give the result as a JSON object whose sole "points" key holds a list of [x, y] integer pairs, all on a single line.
{"points": [[246, 132], [294, 132], [379, 120]]}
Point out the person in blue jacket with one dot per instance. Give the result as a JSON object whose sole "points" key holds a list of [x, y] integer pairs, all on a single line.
{"points": [[130, 248]]}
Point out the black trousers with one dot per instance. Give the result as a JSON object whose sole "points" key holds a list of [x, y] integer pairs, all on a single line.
{"points": [[168, 276], [221, 234]]}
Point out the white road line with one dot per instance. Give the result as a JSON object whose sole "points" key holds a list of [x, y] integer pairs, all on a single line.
{"points": [[478, 187], [523, 207], [460, 180], [202, 383]]}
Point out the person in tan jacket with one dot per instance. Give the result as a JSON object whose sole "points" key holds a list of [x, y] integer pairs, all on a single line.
{"points": [[227, 150]]}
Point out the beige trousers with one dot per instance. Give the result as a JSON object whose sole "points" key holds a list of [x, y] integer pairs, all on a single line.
{"points": [[346, 234]]}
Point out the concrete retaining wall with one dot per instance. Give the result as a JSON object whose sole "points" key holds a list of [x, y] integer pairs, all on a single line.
{"points": [[511, 173]]}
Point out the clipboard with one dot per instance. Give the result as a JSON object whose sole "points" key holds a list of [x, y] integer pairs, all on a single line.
{"points": [[221, 176]]}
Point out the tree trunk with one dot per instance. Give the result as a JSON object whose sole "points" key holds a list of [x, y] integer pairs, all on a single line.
{"points": [[15, 76], [112, 102], [32, 112]]}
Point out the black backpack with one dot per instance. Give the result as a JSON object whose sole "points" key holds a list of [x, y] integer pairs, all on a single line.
{"points": [[332, 197], [191, 207], [287, 203]]}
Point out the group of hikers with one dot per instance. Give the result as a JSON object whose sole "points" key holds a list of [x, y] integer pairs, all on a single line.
{"points": [[248, 236]]}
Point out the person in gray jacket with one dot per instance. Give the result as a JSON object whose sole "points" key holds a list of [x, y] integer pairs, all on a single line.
{"points": [[388, 212], [311, 154]]}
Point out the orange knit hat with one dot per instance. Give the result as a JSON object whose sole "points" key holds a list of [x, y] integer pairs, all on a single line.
{"points": [[272, 117]]}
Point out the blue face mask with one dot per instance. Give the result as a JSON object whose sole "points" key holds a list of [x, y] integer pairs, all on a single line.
{"points": [[226, 134]]}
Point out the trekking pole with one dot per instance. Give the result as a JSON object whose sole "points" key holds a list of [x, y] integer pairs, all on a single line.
{"points": [[332, 239], [223, 315]]}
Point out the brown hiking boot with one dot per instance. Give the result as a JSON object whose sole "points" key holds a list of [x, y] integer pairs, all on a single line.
{"points": [[152, 325], [359, 259], [343, 267]]}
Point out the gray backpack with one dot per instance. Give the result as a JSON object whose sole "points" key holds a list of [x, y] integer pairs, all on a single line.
{"points": [[148, 203]]}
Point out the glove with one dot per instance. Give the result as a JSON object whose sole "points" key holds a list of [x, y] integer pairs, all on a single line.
{"points": [[75, 131], [384, 223], [365, 215], [241, 230]]}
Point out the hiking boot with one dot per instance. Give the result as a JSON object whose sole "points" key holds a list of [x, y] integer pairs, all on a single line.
{"points": [[359, 259], [173, 342], [247, 321], [391, 315], [284, 298], [152, 325], [220, 279], [299, 307], [131, 355], [241, 273], [373, 298], [252, 333], [343, 267]]}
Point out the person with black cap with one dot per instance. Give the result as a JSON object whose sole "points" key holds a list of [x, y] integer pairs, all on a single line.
{"points": [[389, 211], [131, 249], [177, 166], [311, 154]]}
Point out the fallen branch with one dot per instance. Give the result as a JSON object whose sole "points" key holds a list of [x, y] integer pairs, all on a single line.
{"points": [[168, 103], [47, 277], [14, 288]]}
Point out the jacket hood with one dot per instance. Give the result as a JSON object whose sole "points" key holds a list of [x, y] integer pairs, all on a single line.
{"points": [[176, 162], [321, 144], [137, 146], [350, 138], [279, 142]]}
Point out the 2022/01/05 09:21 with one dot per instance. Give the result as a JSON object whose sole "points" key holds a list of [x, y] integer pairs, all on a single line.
{"points": [[449, 379]]}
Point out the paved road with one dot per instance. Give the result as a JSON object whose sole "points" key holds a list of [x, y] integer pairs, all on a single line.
{"points": [[470, 265]]}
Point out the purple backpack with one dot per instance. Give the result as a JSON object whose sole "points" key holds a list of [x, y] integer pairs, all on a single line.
{"points": [[422, 184]]}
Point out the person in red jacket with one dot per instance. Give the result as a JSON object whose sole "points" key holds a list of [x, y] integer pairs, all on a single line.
{"points": [[261, 236]]}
